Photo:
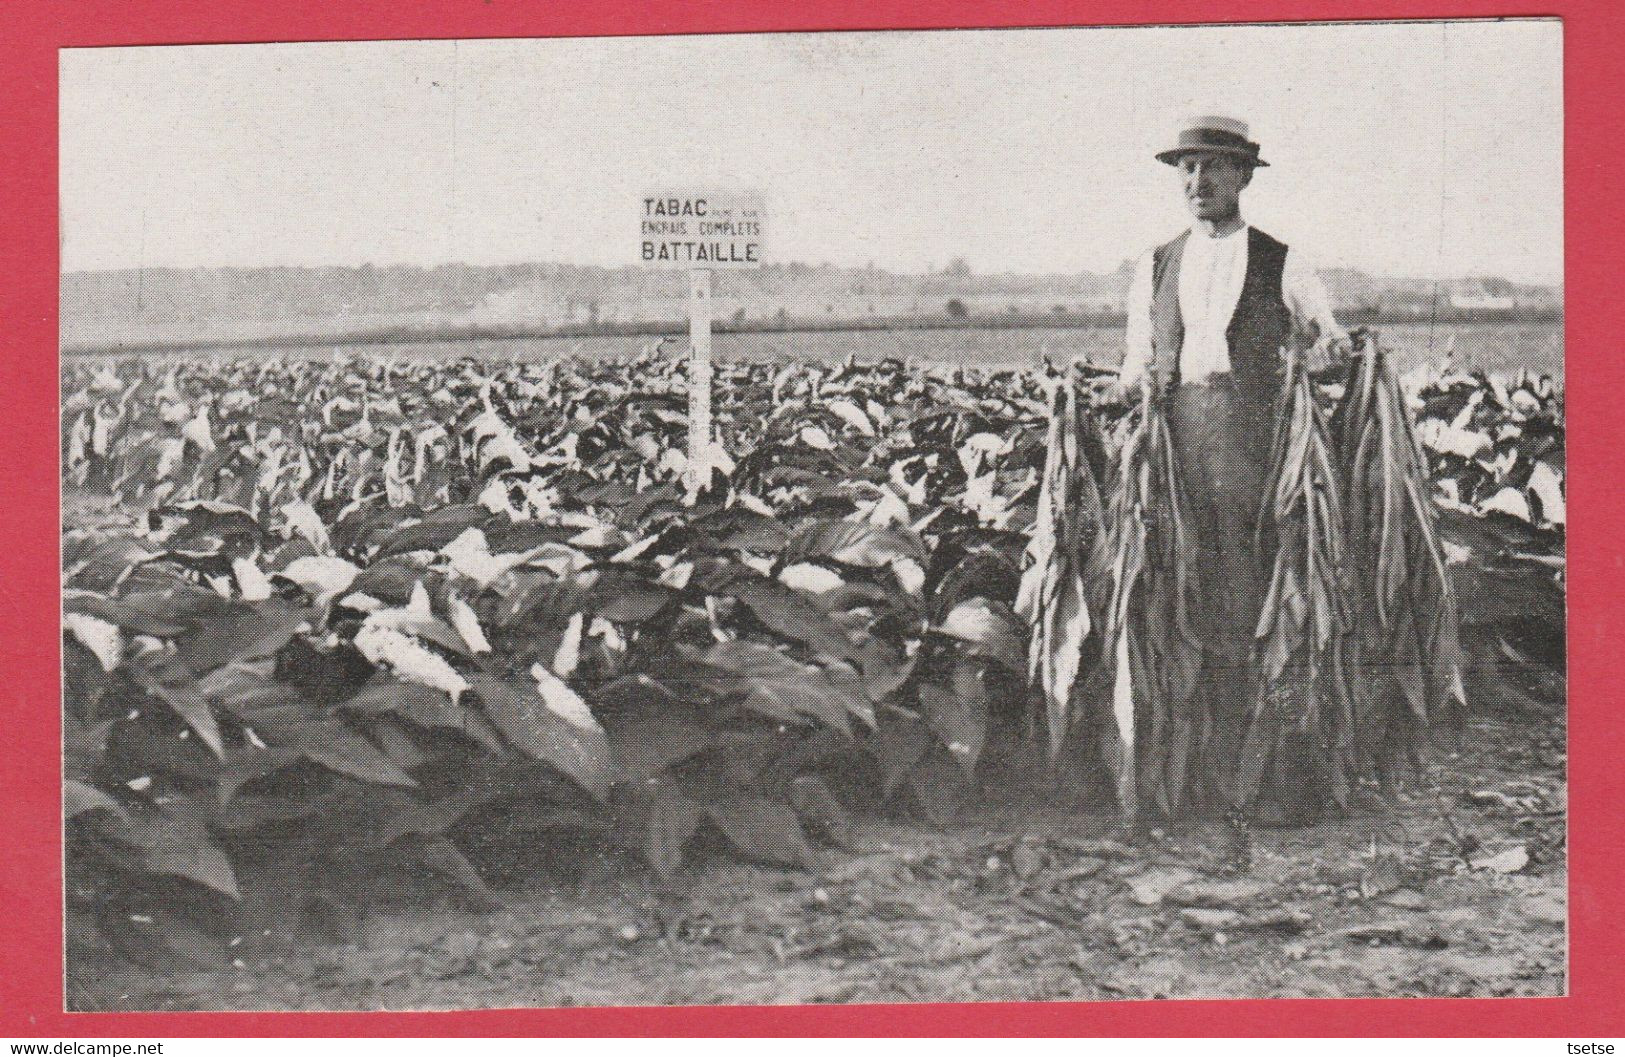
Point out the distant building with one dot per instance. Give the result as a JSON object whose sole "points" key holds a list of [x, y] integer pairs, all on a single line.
{"points": [[1477, 298]]}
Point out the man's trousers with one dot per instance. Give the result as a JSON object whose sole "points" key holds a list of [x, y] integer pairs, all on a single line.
{"points": [[1223, 451]]}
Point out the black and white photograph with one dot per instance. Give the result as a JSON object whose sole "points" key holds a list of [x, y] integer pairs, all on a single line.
{"points": [[1069, 514]]}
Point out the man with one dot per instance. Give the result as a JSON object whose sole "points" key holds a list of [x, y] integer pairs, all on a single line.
{"points": [[1210, 315]]}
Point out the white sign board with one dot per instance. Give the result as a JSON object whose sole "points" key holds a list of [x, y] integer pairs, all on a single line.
{"points": [[701, 230]]}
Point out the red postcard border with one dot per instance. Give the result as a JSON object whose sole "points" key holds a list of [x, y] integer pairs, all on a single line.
{"points": [[30, 817]]}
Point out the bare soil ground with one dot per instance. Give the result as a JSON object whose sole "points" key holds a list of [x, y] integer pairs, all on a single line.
{"points": [[1455, 886]]}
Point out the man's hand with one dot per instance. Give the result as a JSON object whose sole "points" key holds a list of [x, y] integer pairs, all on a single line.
{"points": [[1333, 350], [1110, 391]]}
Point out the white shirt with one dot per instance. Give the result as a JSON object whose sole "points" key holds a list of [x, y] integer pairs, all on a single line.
{"points": [[1211, 273]]}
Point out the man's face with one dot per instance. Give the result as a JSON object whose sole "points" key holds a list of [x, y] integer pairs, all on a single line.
{"points": [[1213, 184]]}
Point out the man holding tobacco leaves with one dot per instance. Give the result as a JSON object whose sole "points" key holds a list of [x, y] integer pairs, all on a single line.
{"points": [[1211, 316]]}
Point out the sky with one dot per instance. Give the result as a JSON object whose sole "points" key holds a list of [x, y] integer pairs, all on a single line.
{"points": [[1411, 149]]}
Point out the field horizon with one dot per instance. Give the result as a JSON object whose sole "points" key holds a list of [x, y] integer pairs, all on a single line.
{"points": [[206, 307]]}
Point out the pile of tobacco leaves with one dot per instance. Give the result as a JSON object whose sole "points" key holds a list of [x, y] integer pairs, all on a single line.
{"points": [[1358, 646]]}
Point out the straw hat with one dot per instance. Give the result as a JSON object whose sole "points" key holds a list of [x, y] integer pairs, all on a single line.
{"points": [[1213, 134]]}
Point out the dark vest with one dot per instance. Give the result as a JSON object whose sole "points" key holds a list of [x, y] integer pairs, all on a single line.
{"points": [[1260, 329]]}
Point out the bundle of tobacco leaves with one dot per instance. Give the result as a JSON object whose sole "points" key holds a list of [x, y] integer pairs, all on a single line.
{"points": [[1158, 719], [1304, 721], [1053, 596], [1406, 605]]}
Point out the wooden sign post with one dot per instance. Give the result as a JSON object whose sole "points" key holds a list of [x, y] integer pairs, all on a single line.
{"points": [[702, 232], [699, 378]]}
